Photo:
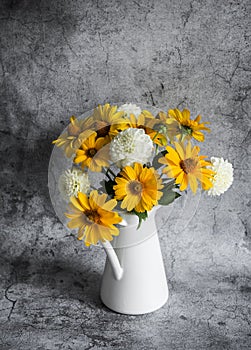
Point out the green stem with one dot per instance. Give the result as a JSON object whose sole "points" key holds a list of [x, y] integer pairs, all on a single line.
{"points": [[155, 136], [156, 150]]}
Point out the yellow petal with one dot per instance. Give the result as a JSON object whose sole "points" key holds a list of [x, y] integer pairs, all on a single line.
{"points": [[83, 199], [79, 159], [195, 151], [129, 202], [129, 173], [184, 183], [141, 120], [90, 235], [188, 150], [179, 178], [180, 150], [76, 203], [147, 198], [186, 114], [81, 232], [198, 136], [93, 199], [172, 155], [174, 171], [138, 168], [162, 160], [197, 119], [120, 191], [110, 204], [101, 199], [192, 182], [133, 119], [99, 143], [74, 223]]}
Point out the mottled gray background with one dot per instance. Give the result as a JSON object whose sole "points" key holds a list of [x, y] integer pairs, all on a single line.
{"points": [[60, 58]]}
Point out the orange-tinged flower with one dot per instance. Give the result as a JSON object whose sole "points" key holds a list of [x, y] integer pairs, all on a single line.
{"points": [[180, 125], [185, 165], [94, 218], [107, 121], [93, 154], [149, 123], [70, 141], [138, 188]]}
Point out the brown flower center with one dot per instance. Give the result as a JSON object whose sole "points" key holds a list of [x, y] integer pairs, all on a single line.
{"points": [[91, 152], [93, 216], [142, 127], [188, 165], [135, 187], [102, 128]]}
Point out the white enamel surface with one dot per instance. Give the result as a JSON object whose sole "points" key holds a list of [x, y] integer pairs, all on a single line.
{"points": [[142, 288]]}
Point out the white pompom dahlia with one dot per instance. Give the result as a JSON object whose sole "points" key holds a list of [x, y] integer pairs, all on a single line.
{"points": [[130, 146], [223, 177], [73, 181], [130, 108]]}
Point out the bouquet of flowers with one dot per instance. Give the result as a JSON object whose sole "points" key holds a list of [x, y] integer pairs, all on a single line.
{"points": [[146, 160]]}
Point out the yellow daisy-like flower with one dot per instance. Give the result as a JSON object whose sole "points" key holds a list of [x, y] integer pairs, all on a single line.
{"points": [[170, 126], [71, 140], [93, 153], [138, 188], [187, 167], [181, 126], [148, 123], [107, 121], [93, 217]]}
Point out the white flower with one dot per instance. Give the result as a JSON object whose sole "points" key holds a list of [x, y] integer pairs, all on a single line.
{"points": [[130, 108], [223, 178], [73, 181], [130, 146]]}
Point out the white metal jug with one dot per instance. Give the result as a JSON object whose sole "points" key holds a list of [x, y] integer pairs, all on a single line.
{"points": [[134, 279]]}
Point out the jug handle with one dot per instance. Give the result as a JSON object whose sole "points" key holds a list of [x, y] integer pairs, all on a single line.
{"points": [[114, 261]]}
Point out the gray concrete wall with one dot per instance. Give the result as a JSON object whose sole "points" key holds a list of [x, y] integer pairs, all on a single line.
{"points": [[60, 58]]}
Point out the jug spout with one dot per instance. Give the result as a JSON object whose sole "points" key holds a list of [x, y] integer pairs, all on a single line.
{"points": [[114, 261]]}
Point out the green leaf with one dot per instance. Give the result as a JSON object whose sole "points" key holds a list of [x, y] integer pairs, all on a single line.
{"points": [[141, 216], [156, 163], [169, 195], [169, 185]]}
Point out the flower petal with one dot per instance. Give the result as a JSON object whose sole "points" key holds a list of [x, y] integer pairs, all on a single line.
{"points": [[180, 150], [83, 199], [193, 182]]}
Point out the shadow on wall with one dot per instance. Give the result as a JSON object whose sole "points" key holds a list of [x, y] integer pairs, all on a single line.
{"points": [[26, 148], [26, 136], [25, 166]]}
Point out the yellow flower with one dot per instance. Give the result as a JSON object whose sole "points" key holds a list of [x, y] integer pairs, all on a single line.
{"points": [[181, 126], [138, 188], [171, 127], [71, 140], [148, 123], [186, 166], [107, 121], [93, 217], [93, 153]]}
